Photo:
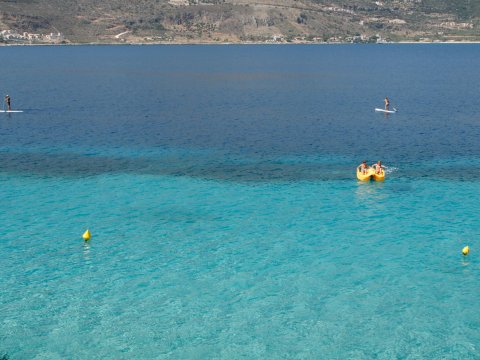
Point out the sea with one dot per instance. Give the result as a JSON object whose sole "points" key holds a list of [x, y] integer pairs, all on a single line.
{"points": [[218, 184]]}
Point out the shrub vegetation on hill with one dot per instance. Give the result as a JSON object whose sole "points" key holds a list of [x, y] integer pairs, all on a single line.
{"points": [[242, 20]]}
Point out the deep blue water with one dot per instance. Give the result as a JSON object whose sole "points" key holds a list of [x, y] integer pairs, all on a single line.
{"points": [[219, 186]]}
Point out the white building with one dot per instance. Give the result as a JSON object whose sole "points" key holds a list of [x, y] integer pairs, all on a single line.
{"points": [[55, 37]]}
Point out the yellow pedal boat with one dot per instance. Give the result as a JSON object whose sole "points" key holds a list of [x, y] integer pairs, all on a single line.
{"points": [[365, 176], [379, 177], [370, 174]]}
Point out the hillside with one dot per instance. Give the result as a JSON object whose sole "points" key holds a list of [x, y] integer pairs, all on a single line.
{"points": [[214, 21]]}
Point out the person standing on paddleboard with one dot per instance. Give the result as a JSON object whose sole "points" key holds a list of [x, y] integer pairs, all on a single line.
{"points": [[7, 102], [387, 103]]}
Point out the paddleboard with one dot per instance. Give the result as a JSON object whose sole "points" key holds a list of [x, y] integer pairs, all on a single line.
{"points": [[10, 111], [386, 111]]}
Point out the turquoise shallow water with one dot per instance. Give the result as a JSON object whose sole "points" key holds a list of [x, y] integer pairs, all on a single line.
{"points": [[192, 268], [225, 227]]}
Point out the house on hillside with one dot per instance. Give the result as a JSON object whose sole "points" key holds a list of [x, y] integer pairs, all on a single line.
{"points": [[55, 37]]}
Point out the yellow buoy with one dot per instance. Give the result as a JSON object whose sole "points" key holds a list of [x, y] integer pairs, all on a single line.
{"points": [[86, 235], [465, 250]]}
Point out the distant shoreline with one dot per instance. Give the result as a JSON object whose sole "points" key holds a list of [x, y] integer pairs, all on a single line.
{"points": [[242, 43]]}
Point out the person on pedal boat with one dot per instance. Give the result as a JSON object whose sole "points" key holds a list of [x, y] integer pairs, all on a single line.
{"points": [[363, 168], [378, 167]]}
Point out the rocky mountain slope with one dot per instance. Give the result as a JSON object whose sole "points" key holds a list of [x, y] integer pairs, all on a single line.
{"points": [[215, 21]]}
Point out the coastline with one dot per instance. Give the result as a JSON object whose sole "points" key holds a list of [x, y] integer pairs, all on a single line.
{"points": [[238, 43]]}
